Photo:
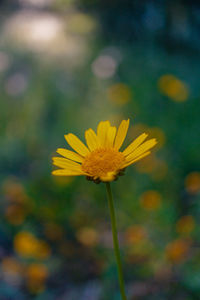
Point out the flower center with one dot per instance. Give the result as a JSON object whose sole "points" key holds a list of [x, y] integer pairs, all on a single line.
{"points": [[101, 161]]}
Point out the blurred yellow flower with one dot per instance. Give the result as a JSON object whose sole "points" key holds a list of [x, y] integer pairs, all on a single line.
{"points": [[192, 182], [101, 160], [87, 236], [37, 272], [173, 87], [119, 93], [150, 200], [27, 245], [135, 234], [177, 250], [185, 225], [36, 277]]}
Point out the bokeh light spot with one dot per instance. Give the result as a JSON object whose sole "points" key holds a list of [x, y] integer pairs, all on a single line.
{"points": [[119, 93], [185, 225], [81, 23], [87, 236], [27, 245], [36, 277], [104, 66], [4, 61], [16, 84], [192, 182], [36, 3], [150, 200], [173, 88], [135, 234], [177, 250]]}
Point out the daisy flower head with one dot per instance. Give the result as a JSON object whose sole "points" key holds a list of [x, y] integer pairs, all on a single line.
{"points": [[101, 160]]}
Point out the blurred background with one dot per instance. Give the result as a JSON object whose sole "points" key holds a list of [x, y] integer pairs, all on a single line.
{"points": [[65, 65]]}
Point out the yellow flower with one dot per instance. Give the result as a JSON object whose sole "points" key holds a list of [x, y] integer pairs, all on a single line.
{"points": [[102, 159]]}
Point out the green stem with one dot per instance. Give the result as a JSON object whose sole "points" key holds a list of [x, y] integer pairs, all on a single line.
{"points": [[115, 240]]}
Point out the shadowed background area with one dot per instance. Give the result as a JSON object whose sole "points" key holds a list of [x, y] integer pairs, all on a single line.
{"points": [[65, 65]]}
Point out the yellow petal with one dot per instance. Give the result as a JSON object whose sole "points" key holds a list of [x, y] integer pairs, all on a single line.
{"points": [[76, 144], [66, 163], [102, 131], [91, 139], [141, 149], [111, 136], [121, 133], [64, 172], [135, 144], [126, 164], [70, 154]]}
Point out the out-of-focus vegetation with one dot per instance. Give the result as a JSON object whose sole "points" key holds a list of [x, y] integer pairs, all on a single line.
{"points": [[64, 66]]}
